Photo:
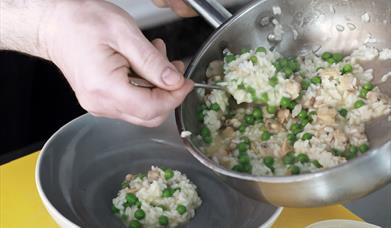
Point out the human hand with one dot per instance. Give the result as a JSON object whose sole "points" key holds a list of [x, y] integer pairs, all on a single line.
{"points": [[94, 43], [178, 6]]}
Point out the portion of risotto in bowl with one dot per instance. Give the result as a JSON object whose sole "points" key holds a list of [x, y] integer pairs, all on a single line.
{"points": [[286, 116], [162, 198]]}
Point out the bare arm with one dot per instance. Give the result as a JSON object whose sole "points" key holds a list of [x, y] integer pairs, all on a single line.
{"points": [[94, 43], [20, 25]]}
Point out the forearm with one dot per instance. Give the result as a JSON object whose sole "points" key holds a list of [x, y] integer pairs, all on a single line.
{"points": [[21, 25]]}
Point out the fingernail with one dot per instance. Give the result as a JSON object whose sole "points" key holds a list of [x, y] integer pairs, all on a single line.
{"points": [[170, 77]]}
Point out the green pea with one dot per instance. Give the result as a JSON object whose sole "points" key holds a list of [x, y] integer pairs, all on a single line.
{"points": [[353, 149], [163, 220], [316, 163], [293, 65], [271, 109], [131, 199], [249, 119], [273, 81], [316, 80], [242, 128], [260, 49], [336, 152], [358, 104], [363, 148], [296, 128], [302, 115], [139, 214], [114, 209], [303, 158], [288, 72], [168, 174], [229, 58], [134, 224], [138, 204], [181, 209], [207, 139], [330, 61], [254, 59], [277, 65], [285, 102], [268, 161], [349, 155], [306, 136], [244, 158], [294, 169], [266, 136], [205, 132], [291, 138], [337, 57], [283, 62], [305, 121], [244, 50], [264, 98], [368, 86], [289, 158], [167, 192], [257, 113], [237, 168], [326, 55], [242, 147], [247, 168], [215, 107], [200, 116], [347, 68], [305, 84], [343, 112], [363, 93]]}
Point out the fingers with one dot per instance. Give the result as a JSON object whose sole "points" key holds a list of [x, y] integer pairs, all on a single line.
{"points": [[160, 46], [147, 60], [160, 3], [181, 9], [180, 66], [178, 6]]}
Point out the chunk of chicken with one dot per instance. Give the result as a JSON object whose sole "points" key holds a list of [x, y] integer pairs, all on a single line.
{"points": [[228, 132], [273, 126], [348, 83], [215, 68], [285, 148], [330, 73], [326, 115], [153, 175], [292, 88], [129, 177], [340, 140], [283, 115]]}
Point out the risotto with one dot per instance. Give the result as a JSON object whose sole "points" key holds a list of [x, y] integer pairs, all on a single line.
{"points": [[162, 198], [286, 116]]}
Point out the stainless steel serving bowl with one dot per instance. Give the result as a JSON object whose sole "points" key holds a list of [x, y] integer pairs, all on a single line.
{"points": [[332, 25]]}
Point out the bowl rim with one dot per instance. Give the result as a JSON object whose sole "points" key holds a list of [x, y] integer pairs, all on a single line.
{"points": [[58, 217], [194, 150]]}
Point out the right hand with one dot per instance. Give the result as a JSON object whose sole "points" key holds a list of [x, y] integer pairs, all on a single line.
{"points": [[94, 43], [178, 6]]}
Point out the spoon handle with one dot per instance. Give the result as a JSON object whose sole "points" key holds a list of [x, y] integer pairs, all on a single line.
{"points": [[139, 82]]}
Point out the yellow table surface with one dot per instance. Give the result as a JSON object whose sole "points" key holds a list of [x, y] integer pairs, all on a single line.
{"points": [[21, 207]]}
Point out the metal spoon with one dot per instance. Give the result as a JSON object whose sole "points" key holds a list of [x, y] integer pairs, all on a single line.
{"points": [[139, 82]]}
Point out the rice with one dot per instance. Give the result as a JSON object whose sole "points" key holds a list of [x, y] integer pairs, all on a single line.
{"points": [[163, 196], [292, 115]]}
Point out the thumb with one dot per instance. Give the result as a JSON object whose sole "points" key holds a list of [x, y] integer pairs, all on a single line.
{"points": [[149, 63]]}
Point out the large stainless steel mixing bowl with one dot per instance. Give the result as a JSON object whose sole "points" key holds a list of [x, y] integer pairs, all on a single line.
{"points": [[334, 25]]}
